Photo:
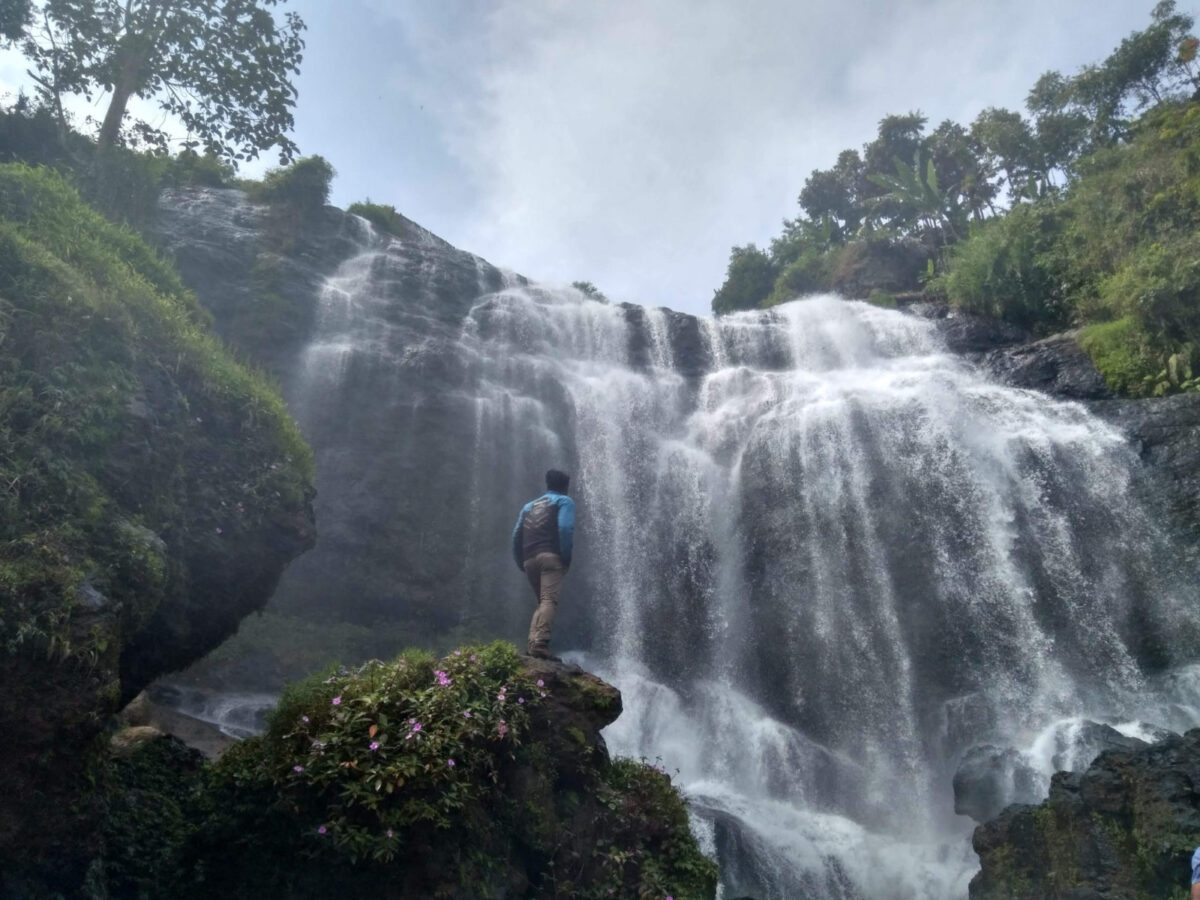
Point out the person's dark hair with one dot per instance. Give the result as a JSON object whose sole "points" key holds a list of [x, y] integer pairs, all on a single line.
{"points": [[557, 481]]}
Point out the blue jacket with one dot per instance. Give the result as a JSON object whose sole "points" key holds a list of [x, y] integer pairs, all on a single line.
{"points": [[545, 525]]}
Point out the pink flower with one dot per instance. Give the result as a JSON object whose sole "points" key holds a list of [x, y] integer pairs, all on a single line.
{"points": [[472, 657], [503, 728], [450, 763], [541, 683], [297, 768], [390, 832], [442, 678], [374, 745], [543, 693], [337, 701], [520, 699], [304, 719], [416, 726], [466, 714], [321, 830], [500, 697]]}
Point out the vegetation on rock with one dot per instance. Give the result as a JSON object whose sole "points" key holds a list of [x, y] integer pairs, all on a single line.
{"points": [[480, 774], [152, 490], [1124, 828], [1082, 214]]}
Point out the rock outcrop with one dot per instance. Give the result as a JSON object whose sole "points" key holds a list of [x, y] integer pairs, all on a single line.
{"points": [[1167, 432], [153, 492], [482, 774], [1124, 828]]}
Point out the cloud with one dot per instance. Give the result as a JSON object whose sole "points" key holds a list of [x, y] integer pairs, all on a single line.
{"points": [[632, 143]]}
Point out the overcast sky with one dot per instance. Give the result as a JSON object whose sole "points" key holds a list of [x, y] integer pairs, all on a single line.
{"points": [[631, 143]]}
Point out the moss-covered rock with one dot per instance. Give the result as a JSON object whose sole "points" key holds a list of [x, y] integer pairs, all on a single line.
{"points": [[151, 492], [482, 774], [1124, 828]]}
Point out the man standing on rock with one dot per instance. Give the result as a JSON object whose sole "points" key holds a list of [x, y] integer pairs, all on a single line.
{"points": [[541, 546]]}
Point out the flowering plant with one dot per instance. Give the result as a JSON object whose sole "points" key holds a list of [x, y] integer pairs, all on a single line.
{"points": [[370, 753]]}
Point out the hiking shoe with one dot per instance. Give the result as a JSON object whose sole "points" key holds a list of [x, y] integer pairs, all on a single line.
{"points": [[541, 651]]}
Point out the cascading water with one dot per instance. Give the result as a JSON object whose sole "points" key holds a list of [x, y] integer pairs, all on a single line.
{"points": [[821, 570], [821, 557]]}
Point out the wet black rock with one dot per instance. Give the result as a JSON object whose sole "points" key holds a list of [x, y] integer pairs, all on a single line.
{"points": [[1056, 366], [967, 334], [1124, 828], [1166, 431], [989, 778]]}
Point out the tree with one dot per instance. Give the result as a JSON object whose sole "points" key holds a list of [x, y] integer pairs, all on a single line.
{"points": [[748, 281], [1009, 145], [14, 14], [223, 67], [589, 290], [836, 194]]}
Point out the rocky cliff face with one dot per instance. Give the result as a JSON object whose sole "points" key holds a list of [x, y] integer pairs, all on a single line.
{"points": [[1124, 828], [154, 491]]}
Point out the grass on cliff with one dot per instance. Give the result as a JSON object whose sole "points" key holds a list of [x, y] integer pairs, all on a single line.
{"points": [[97, 333]]}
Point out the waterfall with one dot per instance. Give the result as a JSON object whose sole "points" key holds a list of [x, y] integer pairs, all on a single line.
{"points": [[821, 556]]}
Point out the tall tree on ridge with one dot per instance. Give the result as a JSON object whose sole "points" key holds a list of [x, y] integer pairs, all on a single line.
{"points": [[223, 67]]}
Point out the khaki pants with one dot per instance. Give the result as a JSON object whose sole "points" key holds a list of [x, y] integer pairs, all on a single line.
{"points": [[545, 573]]}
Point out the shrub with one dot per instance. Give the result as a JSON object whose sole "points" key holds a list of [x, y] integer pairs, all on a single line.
{"points": [[748, 281], [1118, 351], [384, 217], [1006, 269], [302, 187]]}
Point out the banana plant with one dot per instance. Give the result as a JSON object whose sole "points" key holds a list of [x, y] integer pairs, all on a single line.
{"points": [[915, 192]]}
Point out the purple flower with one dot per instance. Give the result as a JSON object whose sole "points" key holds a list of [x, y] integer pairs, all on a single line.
{"points": [[390, 832], [416, 726], [543, 693], [304, 719], [541, 683], [337, 701], [219, 531], [520, 699], [442, 678], [374, 745], [472, 657], [321, 830], [503, 728], [450, 763], [500, 697], [466, 714], [458, 653], [297, 768]]}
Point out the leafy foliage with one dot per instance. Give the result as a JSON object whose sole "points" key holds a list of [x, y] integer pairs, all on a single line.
{"points": [[590, 291], [460, 777], [1101, 231], [223, 67], [749, 280]]}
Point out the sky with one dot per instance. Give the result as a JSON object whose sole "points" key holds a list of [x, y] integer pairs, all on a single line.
{"points": [[632, 143]]}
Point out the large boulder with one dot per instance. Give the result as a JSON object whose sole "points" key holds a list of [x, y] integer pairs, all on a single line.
{"points": [[153, 492], [482, 774], [1055, 365], [1124, 828]]}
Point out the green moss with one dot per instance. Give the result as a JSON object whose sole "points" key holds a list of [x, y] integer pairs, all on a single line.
{"points": [[1117, 350], [134, 452]]}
